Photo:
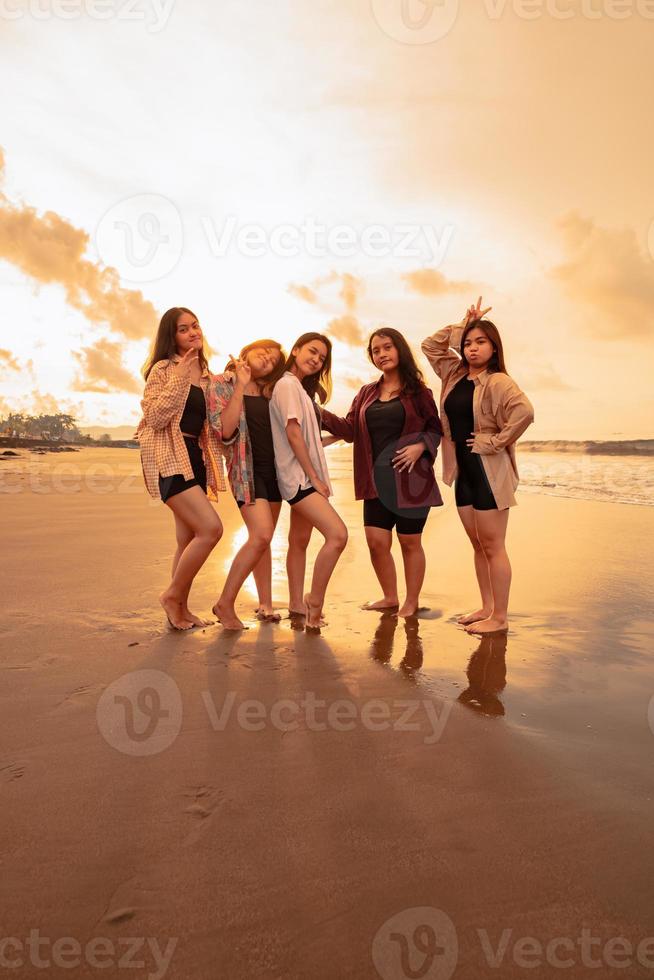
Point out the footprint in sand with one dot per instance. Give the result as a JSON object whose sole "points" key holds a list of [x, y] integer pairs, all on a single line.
{"points": [[204, 801], [9, 771]]}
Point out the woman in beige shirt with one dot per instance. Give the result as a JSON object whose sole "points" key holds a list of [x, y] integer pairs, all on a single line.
{"points": [[483, 413]]}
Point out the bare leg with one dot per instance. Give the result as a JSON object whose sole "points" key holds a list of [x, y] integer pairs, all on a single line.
{"points": [[413, 555], [319, 512], [467, 515], [262, 572], [299, 536], [379, 544], [259, 522], [184, 536], [491, 530], [193, 509]]}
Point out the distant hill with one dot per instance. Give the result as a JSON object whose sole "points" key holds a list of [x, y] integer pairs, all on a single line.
{"points": [[117, 432], [593, 447]]}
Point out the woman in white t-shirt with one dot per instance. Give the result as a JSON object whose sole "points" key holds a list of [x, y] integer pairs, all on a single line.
{"points": [[302, 472]]}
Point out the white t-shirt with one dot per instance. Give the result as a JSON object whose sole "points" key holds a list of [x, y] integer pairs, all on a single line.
{"points": [[290, 401]]}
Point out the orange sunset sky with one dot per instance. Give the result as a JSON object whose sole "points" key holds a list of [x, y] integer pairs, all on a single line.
{"points": [[163, 152]]}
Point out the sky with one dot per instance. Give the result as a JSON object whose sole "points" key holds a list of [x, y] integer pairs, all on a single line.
{"points": [[280, 167]]}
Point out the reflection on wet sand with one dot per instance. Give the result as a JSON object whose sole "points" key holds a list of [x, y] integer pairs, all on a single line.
{"points": [[381, 648], [486, 670], [487, 676]]}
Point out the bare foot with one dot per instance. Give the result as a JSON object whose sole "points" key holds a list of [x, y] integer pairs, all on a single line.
{"points": [[408, 609], [266, 614], [490, 625], [195, 619], [381, 605], [227, 617], [174, 612], [313, 613], [474, 617]]}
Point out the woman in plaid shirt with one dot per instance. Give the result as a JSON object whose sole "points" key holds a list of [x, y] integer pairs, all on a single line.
{"points": [[239, 405], [181, 454]]}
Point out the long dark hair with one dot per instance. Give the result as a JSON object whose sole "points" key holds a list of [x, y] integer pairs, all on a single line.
{"points": [[410, 374], [496, 363], [320, 383], [268, 382], [165, 341]]}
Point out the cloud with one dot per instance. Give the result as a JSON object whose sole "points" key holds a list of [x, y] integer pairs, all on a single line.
{"points": [[303, 292], [102, 370], [431, 282], [49, 249], [606, 271], [346, 329], [350, 291], [354, 382], [8, 360]]}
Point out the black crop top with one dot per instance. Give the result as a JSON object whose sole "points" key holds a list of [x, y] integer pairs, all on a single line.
{"points": [[458, 408], [195, 412]]}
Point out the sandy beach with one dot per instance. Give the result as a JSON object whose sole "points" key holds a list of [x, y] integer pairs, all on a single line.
{"points": [[380, 800]]}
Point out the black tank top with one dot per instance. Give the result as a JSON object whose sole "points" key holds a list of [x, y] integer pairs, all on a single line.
{"points": [[385, 421], [458, 408], [195, 412], [257, 416]]}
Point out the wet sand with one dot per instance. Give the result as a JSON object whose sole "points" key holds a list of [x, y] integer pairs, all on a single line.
{"points": [[505, 783]]}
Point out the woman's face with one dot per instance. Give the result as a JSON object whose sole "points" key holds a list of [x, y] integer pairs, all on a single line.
{"points": [[310, 358], [189, 334], [262, 360], [384, 353], [477, 348]]}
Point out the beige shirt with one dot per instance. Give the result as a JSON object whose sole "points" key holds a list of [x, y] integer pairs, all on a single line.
{"points": [[502, 412]]}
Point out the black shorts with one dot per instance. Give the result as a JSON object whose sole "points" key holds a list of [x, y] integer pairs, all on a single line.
{"points": [[472, 488], [169, 486], [265, 488], [301, 494], [376, 514]]}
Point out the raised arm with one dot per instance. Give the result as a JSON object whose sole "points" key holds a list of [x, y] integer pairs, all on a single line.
{"points": [[225, 400], [443, 349], [166, 390]]}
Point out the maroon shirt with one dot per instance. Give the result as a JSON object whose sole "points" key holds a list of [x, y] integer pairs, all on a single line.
{"points": [[415, 489]]}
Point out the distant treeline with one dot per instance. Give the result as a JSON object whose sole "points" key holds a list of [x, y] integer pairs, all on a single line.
{"points": [[620, 447], [40, 429]]}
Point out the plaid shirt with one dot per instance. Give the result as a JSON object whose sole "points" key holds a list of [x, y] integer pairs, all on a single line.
{"points": [[163, 450], [240, 465]]}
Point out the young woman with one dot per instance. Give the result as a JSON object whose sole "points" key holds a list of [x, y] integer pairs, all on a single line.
{"points": [[180, 454], [239, 407], [302, 470], [395, 428], [484, 412]]}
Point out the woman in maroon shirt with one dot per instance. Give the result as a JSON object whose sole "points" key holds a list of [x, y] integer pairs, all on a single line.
{"points": [[395, 428]]}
